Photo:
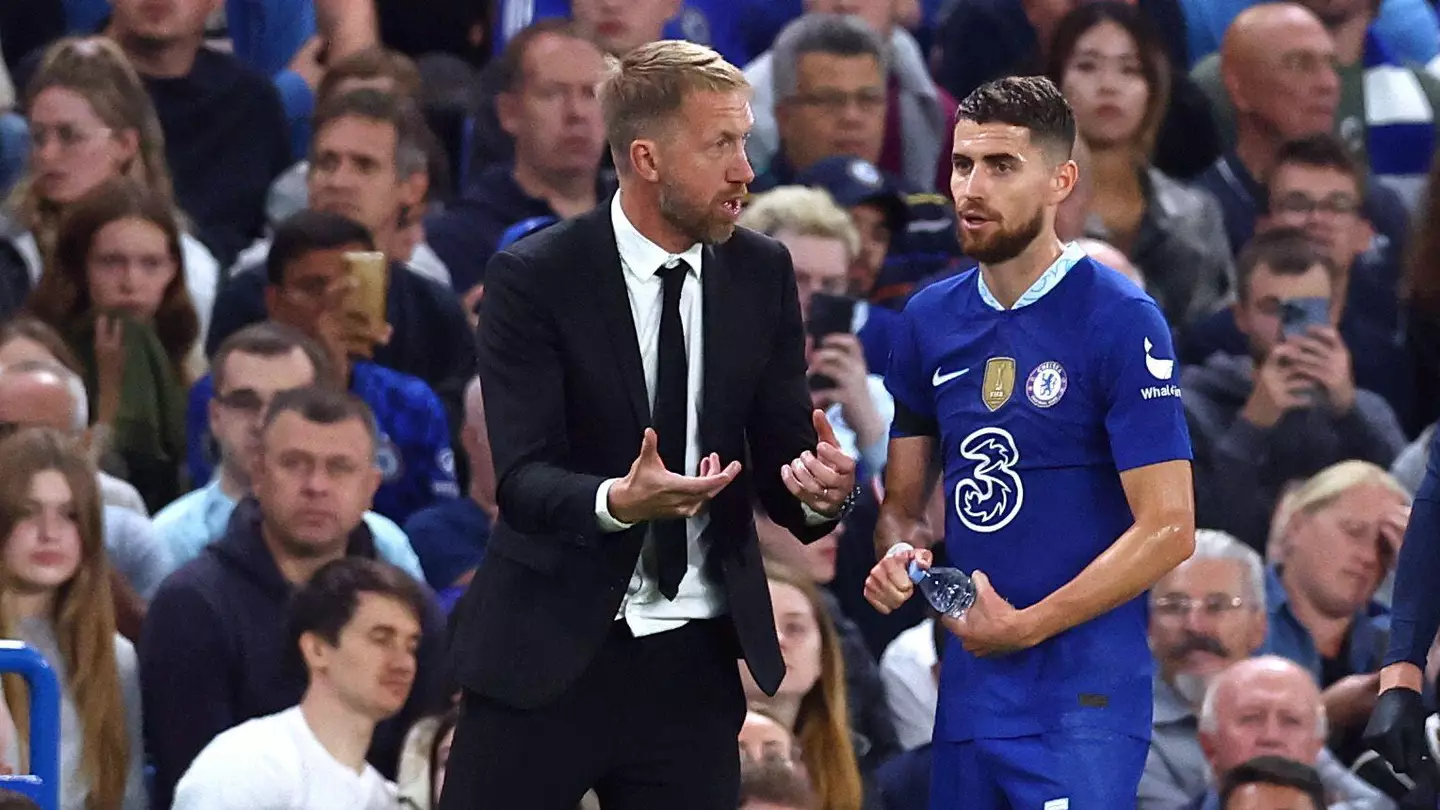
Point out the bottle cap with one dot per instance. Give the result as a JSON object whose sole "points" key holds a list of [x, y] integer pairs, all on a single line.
{"points": [[916, 572]]}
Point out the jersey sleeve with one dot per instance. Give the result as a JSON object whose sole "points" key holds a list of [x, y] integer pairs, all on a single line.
{"points": [[1140, 377], [906, 381]]}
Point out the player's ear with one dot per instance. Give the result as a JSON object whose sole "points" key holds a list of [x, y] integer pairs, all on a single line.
{"points": [[1063, 179]]}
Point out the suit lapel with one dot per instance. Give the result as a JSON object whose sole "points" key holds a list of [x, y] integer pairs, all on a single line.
{"points": [[718, 307], [614, 303]]}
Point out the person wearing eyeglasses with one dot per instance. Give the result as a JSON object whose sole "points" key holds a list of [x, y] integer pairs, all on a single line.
{"points": [[251, 368], [1317, 186], [1206, 614]]}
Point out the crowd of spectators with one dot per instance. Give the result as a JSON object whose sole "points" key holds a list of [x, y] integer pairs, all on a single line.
{"points": [[235, 512]]}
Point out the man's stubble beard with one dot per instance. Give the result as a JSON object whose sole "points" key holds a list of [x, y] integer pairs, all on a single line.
{"points": [[1005, 245], [693, 221]]}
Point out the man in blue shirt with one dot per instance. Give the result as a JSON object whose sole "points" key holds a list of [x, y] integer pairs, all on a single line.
{"points": [[450, 536], [1046, 381], [251, 368], [306, 287]]}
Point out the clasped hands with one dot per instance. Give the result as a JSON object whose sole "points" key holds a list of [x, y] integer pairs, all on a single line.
{"points": [[822, 479]]}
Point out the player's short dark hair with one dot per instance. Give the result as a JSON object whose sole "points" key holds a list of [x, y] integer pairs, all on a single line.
{"points": [[1284, 252], [1273, 770], [307, 231], [322, 406], [267, 339], [1032, 102], [325, 604], [1319, 151], [776, 784]]}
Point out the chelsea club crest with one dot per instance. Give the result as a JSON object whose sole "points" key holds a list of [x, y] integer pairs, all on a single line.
{"points": [[1046, 384]]}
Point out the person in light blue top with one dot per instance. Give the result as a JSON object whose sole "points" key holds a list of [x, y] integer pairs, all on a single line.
{"points": [[250, 368]]}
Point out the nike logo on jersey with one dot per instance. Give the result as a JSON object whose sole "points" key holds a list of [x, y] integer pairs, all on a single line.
{"points": [[940, 379], [1159, 368]]}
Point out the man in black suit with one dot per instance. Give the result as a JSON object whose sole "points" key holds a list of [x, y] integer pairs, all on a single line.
{"points": [[597, 644]]}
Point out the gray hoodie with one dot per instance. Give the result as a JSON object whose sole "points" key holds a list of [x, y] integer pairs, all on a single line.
{"points": [[1241, 469]]}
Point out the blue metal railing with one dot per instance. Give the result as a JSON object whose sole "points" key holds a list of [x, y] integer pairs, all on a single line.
{"points": [[42, 784]]}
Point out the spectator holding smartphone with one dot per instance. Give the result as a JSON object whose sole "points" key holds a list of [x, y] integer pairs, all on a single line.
{"points": [[823, 243], [1289, 409]]}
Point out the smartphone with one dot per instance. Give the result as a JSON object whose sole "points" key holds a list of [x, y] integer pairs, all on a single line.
{"points": [[829, 315], [1297, 315], [365, 298]]}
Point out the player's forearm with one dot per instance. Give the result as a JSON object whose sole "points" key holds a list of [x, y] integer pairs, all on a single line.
{"points": [[908, 479], [1132, 564], [1416, 610]]}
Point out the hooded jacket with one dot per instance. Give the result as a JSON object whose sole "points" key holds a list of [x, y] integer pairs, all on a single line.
{"points": [[215, 652], [1241, 469]]}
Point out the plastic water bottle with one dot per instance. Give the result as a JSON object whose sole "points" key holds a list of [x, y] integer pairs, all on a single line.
{"points": [[948, 590]]}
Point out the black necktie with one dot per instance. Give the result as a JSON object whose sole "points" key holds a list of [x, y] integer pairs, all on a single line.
{"points": [[672, 385]]}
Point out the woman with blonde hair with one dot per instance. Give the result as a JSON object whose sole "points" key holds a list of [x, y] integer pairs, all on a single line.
{"points": [[91, 121], [55, 596], [811, 701]]}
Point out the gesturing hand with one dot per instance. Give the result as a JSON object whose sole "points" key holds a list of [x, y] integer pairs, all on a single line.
{"points": [[822, 480], [651, 492]]}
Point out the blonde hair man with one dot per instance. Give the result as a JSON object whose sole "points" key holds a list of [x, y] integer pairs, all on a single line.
{"points": [[598, 640]]}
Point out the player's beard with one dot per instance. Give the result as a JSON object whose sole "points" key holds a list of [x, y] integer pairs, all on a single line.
{"points": [[1005, 244], [697, 222]]}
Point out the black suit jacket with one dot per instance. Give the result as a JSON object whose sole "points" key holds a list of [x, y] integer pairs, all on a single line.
{"points": [[566, 405]]}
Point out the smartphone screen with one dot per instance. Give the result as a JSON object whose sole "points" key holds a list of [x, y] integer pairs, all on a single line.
{"points": [[1297, 315]]}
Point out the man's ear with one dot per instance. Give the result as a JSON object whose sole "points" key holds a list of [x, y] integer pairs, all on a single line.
{"points": [[507, 111], [645, 159]]}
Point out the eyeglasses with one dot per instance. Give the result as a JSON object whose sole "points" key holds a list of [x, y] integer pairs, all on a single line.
{"points": [[1296, 203], [1179, 606], [68, 136], [834, 102]]}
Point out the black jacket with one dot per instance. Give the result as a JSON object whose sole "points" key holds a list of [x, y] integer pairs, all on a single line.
{"points": [[214, 653], [565, 394]]}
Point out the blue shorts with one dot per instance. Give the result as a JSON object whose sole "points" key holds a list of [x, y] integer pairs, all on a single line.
{"points": [[1071, 769]]}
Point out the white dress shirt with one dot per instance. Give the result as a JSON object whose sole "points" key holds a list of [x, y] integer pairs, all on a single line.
{"points": [[644, 608], [907, 669]]}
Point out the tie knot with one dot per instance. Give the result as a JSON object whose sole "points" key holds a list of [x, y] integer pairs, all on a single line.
{"points": [[675, 268]]}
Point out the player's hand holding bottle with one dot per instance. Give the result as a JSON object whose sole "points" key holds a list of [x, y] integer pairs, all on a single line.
{"points": [[889, 584]]}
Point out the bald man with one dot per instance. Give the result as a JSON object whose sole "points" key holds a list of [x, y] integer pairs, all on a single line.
{"points": [[450, 536], [41, 394], [1269, 705], [1394, 139], [1112, 257], [1276, 63]]}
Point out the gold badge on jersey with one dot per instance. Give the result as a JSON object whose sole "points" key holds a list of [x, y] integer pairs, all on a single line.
{"points": [[999, 382]]}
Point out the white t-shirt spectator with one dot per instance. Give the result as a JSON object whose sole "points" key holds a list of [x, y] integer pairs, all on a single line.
{"points": [[907, 668], [276, 763]]}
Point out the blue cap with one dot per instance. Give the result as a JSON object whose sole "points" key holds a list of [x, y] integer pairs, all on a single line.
{"points": [[916, 572], [853, 181]]}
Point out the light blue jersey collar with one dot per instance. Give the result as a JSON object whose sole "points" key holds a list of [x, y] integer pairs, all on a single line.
{"points": [[1044, 284]]}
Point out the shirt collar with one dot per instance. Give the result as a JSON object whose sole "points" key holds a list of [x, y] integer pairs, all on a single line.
{"points": [[642, 256], [1045, 283], [1169, 706]]}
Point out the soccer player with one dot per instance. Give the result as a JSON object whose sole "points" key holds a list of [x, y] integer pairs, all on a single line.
{"points": [[1047, 383]]}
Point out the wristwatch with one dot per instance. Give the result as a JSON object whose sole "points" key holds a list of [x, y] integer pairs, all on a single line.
{"points": [[847, 506]]}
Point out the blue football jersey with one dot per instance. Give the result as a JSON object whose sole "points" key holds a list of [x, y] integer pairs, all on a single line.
{"points": [[1037, 410]]}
